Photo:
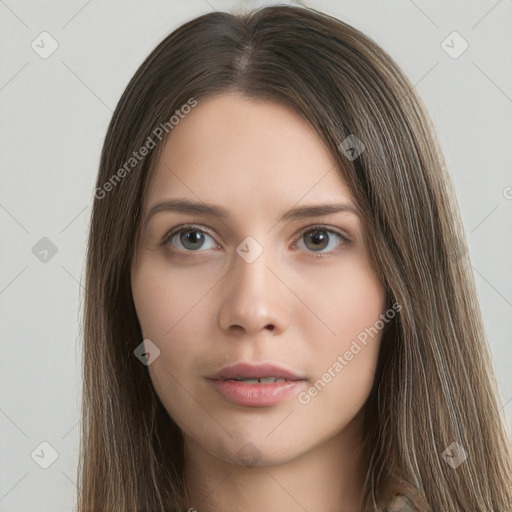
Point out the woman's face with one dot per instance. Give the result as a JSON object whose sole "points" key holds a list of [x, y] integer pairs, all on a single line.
{"points": [[255, 285]]}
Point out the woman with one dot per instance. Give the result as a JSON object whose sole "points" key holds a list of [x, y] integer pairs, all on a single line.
{"points": [[241, 368]]}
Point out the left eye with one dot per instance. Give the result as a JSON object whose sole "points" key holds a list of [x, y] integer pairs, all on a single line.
{"points": [[317, 238]]}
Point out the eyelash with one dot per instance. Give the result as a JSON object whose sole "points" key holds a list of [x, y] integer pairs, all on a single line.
{"points": [[194, 227]]}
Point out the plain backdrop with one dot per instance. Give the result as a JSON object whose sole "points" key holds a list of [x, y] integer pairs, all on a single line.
{"points": [[55, 112]]}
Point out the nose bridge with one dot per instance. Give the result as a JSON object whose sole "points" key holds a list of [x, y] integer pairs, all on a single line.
{"points": [[250, 273], [250, 265], [253, 300]]}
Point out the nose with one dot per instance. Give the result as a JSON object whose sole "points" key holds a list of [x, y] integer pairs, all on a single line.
{"points": [[254, 298]]}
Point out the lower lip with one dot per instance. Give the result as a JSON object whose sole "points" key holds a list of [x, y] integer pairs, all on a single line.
{"points": [[257, 395]]}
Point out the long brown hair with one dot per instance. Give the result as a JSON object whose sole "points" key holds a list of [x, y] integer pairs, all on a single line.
{"points": [[434, 384]]}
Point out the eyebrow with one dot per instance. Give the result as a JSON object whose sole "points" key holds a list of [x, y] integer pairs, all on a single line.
{"points": [[186, 206]]}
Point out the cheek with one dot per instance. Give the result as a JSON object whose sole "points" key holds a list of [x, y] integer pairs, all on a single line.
{"points": [[348, 350], [170, 306], [166, 299], [165, 307], [361, 306], [346, 305]]}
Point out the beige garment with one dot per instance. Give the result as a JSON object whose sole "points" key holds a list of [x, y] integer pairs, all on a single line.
{"points": [[401, 503], [399, 496]]}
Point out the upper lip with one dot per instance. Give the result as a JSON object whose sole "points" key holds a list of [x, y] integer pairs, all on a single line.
{"points": [[255, 370]]}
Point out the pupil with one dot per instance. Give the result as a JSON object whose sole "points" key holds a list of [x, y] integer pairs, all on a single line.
{"points": [[193, 237], [317, 237]]}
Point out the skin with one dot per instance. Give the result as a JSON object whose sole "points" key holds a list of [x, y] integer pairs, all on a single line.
{"points": [[205, 307]]}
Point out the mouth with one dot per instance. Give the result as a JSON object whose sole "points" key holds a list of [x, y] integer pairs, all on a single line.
{"points": [[257, 373], [257, 384], [260, 380], [254, 392]]}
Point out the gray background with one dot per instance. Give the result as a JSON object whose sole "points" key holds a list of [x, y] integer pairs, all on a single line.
{"points": [[55, 113]]}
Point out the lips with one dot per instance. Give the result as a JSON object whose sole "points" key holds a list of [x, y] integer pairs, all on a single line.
{"points": [[246, 371]]}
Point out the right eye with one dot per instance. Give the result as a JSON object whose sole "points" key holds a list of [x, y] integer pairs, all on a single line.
{"points": [[187, 238]]}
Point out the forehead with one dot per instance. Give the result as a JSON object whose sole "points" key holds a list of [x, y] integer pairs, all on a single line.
{"points": [[246, 153]]}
